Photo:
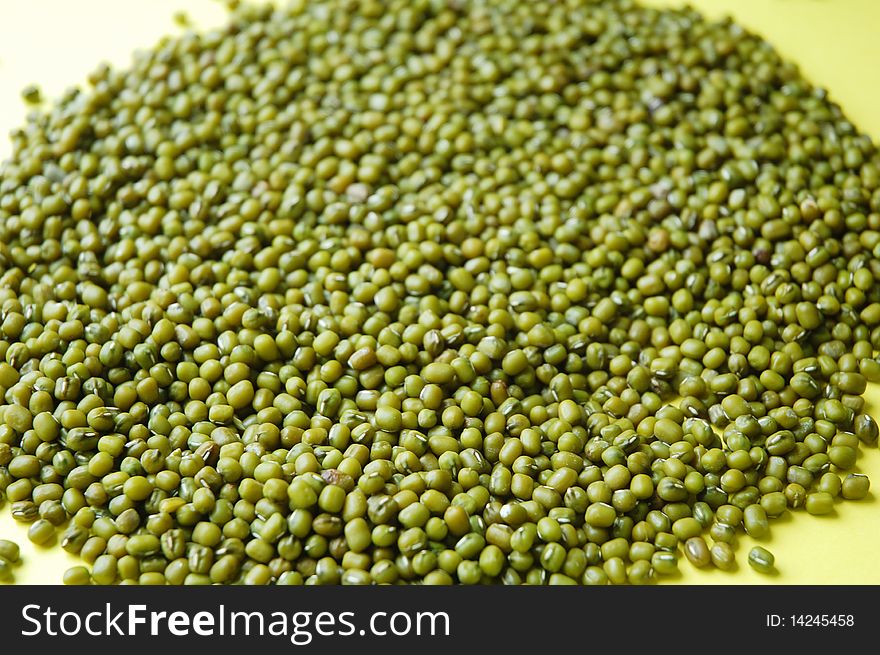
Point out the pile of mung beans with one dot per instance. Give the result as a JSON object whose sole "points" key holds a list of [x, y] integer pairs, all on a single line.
{"points": [[435, 292]]}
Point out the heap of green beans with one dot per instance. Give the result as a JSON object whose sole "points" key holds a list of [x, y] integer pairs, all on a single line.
{"points": [[435, 291]]}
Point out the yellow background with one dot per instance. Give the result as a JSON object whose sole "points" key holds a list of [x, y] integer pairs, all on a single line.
{"points": [[55, 43]]}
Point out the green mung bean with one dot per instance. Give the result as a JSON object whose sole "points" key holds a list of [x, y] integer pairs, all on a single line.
{"points": [[855, 486], [761, 559], [77, 575], [9, 550], [819, 502], [6, 572], [697, 552], [722, 556]]}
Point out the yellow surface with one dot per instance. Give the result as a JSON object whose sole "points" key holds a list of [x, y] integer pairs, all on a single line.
{"points": [[836, 42]]}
